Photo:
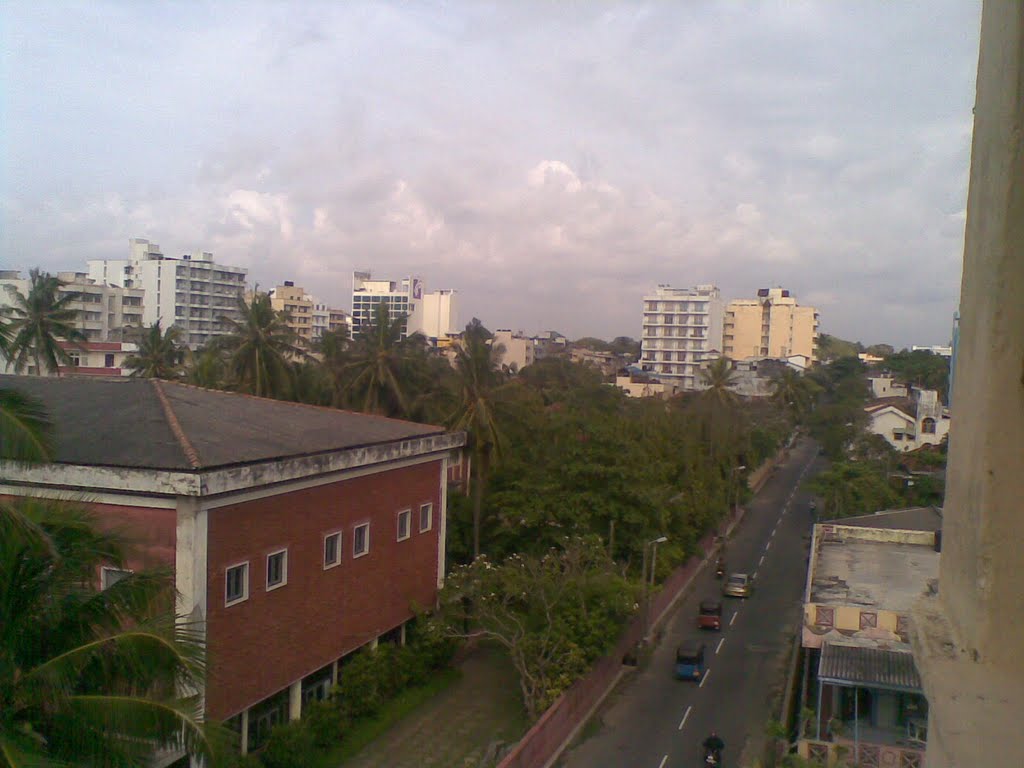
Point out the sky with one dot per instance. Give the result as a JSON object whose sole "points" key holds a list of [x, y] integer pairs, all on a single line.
{"points": [[552, 162]]}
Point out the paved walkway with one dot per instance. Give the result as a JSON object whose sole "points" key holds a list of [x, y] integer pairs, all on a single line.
{"points": [[455, 729]]}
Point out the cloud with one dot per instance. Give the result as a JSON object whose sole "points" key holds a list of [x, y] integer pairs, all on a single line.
{"points": [[551, 162]]}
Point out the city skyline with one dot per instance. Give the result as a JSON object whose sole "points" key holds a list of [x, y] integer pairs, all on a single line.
{"points": [[552, 164]]}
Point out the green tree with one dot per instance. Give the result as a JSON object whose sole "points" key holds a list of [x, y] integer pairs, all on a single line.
{"points": [[385, 371], [259, 348], [555, 614], [159, 355], [89, 677], [26, 433], [205, 367], [40, 322], [477, 364], [849, 488], [793, 392], [921, 368]]}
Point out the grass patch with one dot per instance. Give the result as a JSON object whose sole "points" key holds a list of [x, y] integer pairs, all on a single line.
{"points": [[362, 733]]}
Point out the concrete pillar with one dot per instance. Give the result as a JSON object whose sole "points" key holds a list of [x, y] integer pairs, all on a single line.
{"points": [[967, 640], [295, 700], [245, 732], [401, 640], [373, 644], [334, 673]]}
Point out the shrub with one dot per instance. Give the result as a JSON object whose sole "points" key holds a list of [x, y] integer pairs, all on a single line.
{"points": [[360, 686], [325, 722], [290, 746]]}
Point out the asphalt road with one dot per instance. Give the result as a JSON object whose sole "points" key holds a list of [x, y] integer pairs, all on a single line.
{"points": [[656, 721]]}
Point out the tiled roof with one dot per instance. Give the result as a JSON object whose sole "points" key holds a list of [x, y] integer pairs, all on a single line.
{"points": [[871, 667], [141, 423]]}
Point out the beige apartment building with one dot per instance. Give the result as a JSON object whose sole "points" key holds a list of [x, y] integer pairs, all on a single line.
{"points": [[771, 325], [298, 304]]}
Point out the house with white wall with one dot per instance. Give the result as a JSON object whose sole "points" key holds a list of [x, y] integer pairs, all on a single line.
{"points": [[909, 423]]}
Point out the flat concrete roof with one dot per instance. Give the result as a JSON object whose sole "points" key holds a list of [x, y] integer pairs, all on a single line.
{"points": [[884, 574]]}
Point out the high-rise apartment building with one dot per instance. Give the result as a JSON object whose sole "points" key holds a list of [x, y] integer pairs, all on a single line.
{"points": [[772, 325], [682, 328], [403, 297], [440, 314], [299, 306], [105, 312], [192, 292]]}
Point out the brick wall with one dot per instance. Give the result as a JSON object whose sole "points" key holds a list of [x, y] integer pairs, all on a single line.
{"points": [[257, 647]]}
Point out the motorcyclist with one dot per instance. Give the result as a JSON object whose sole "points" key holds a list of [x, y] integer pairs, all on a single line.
{"points": [[713, 745]]}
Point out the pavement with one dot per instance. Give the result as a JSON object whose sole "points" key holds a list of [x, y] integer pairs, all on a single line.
{"points": [[656, 721], [456, 728]]}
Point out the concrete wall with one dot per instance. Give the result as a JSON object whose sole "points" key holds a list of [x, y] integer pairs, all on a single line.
{"points": [[968, 647]]}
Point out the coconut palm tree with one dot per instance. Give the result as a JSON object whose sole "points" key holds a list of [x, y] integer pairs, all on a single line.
{"points": [[718, 379], [89, 677], [205, 367], [159, 355], [477, 365], [259, 348], [25, 430], [794, 392], [41, 320], [385, 370]]}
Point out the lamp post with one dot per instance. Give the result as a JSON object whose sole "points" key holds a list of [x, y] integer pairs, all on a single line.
{"points": [[649, 580], [736, 487]]}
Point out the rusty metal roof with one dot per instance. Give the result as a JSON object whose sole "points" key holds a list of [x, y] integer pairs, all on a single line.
{"points": [[868, 667]]}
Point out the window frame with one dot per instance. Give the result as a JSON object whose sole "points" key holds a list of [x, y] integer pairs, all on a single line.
{"points": [[284, 569], [337, 550], [104, 570], [228, 602], [405, 514], [429, 506], [824, 616], [355, 539]]}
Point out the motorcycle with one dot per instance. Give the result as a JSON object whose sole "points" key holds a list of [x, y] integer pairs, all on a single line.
{"points": [[720, 568], [712, 757]]}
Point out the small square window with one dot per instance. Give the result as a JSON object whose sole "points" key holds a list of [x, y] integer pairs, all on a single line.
{"points": [[277, 569], [361, 540], [110, 576], [824, 617], [426, 517], [236, 584], [332, 550], [404, 524]]}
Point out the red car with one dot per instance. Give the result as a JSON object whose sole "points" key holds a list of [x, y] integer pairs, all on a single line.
{"points": [[710, 616]]}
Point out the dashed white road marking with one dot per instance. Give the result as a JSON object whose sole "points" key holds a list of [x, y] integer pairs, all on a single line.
{"points": [[754, 575], [761, 561], [707, 673], [719, 646], [767, 546], [733, 618], [663, 761], [686, 714]]}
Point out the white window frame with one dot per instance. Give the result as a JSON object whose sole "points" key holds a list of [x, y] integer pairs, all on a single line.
{"points": [[407, 514], [284, 569], [337, 550], [245, 584], [104, 570], [355, 539], [429, 505]]}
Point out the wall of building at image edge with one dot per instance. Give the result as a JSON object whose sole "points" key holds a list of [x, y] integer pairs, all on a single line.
{"points": [[264, 644], [968, 641]]}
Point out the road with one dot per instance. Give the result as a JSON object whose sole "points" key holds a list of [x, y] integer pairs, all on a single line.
{"points": [[655, 721]]}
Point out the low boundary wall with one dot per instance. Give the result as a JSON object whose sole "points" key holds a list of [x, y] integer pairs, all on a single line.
{"points": [[542, 745]]}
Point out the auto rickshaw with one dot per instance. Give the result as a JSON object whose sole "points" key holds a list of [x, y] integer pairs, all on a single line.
{"points": [[690, 661]]}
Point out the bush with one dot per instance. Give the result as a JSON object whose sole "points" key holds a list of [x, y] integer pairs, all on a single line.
{"points": [[360, 686], [290, 746], [325, 722]]}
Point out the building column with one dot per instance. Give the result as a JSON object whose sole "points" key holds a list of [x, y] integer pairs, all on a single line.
{"points": [[245, 732], [295, 700], [401, 640], [334, 673]]}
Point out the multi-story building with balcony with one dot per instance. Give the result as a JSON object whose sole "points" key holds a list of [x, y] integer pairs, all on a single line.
{"points": [[403, 298], [682, 328], [192, 292], [771, 325], [299, 306], [104, 312]]}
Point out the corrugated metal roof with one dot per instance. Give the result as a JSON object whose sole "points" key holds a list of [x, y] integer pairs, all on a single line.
{"points": [[869, 667]]}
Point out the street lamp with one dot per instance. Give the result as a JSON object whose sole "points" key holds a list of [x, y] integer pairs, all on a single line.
{"points": [[736, 487], [649, 579]]}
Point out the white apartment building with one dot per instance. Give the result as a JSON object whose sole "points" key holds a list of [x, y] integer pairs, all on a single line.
{"points": [[440, 314], [771, 325], [517, 349], [191, 291], [403, 297], [105, 312], [682, 328]]}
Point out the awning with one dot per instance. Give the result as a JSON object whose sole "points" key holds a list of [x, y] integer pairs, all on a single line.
{"points": [[851, 665]]}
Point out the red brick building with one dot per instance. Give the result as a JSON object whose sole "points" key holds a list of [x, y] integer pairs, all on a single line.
{"points": [[299, 534]]}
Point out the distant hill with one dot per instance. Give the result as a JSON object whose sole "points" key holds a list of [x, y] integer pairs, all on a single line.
{"points": [[832, 347]]}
